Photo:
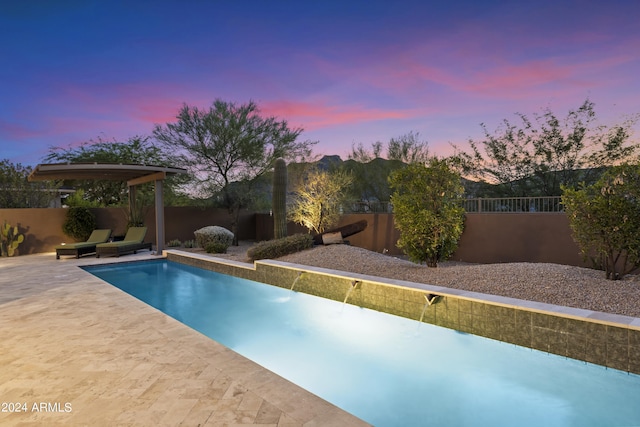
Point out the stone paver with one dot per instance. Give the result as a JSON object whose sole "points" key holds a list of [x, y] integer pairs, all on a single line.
{"points": [[75, 350]]}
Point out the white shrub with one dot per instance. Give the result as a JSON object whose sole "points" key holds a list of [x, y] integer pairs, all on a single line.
{"points": [[213, 234]]}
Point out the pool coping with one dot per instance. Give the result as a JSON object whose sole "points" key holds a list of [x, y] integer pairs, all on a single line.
{"points": [[605, 339], [68, 337]]}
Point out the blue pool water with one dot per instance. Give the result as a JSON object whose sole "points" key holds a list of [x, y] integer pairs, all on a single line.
{"points": [[385, 369]]}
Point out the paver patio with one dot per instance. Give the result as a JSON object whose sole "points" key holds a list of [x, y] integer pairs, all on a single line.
{"points": [[75, 350]]}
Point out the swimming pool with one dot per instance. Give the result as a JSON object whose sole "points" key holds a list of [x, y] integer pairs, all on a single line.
{"points": [[384, 369]]}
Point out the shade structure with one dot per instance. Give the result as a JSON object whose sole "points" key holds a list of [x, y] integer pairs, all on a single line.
{"points": [[131, 173], [107, 171]]}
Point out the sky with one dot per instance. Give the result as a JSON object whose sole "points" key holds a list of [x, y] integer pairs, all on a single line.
{"points": [[347, 72]]}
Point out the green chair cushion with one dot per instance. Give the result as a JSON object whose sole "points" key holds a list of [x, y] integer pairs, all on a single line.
{"points": [[97, 236]]}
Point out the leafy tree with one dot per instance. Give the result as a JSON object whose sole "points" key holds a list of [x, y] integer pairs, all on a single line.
{"points": [[605, 219], [427, 210], [371, 170], [360, 154], [536, 158], [407, 148], [317, 203], [370, 180], [78, 199], [137, 150], [17, 192], [228, 147]]}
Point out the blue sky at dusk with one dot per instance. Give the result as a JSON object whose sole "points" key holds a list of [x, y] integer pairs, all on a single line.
{"points": [[345, 71]]}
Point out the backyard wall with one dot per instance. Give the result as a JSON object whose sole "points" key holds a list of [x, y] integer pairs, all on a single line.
{"points": [[42, 228], [518, 237], [487, 238]]}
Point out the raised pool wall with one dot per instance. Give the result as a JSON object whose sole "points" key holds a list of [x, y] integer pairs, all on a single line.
{"points": [[600, 338]]}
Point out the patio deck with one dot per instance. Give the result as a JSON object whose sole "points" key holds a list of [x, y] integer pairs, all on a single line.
{"points": [[78, 351]]}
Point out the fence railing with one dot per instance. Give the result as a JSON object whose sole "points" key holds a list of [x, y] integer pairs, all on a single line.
{"points": [[369, 207], [544, 204]]}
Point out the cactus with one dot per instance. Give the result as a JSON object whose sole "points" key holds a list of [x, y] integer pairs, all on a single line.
{"points": [[10, 239], [279, 199]]}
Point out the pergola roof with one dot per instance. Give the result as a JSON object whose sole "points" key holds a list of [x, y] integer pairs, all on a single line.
{"points": [[133, 174]]}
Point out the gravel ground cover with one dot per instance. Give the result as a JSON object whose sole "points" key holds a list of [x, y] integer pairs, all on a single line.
{"points": [[543, 282]]}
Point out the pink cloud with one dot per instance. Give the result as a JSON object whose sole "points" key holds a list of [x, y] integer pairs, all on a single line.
{"points": [[16, 131], [479, 62], [314, 116]]}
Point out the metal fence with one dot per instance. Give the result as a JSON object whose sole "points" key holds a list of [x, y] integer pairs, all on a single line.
{"points": [[547, 204], [369, 207], [514, 204]]}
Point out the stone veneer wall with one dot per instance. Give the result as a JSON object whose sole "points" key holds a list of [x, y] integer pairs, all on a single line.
{"points": [[604, 339]]}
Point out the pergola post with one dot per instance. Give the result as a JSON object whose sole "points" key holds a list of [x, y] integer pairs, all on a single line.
{"points": [[159, 217], [132, 201]]}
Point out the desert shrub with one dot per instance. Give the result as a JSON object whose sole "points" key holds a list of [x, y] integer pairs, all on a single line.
{"points": [[279, 247], [427, 212], [213, 234], [79, 222], [318, 201], [174, 243], [189, 243], [605, 219], [216, 248]]}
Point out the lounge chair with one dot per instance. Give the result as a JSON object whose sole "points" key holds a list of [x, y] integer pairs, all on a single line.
{"points": [[133, 242], [82, 248]]}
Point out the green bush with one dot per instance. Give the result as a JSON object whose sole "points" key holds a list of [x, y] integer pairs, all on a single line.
{"points": [[216, 248], [427, 212], [280, 247], [79, 223], [605, 219], [189, 243], [174, 243]]}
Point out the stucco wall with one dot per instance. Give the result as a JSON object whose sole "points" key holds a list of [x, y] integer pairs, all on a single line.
{"points": [[42, 228], [514, 237], [487, 238]]}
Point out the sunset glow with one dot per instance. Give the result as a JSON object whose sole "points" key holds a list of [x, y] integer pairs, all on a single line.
{"points": [[346, 72]]}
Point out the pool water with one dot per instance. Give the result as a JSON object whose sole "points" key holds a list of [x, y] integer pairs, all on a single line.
{"points": [[387, 370]]}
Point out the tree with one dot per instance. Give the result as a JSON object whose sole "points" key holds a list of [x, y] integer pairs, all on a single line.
{"points": [[371, 171], [17, 192], [370, 180], [228, 147], [427, 210], [605, 219], [137, 150], [407, 148], [317, 204], [537, 158]]}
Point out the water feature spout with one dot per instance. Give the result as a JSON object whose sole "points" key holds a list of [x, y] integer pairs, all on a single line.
{"points": [[296, 279], [354, 283], [431, 299]]}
